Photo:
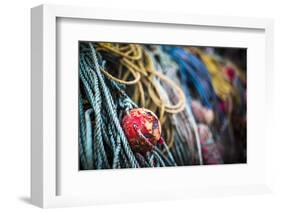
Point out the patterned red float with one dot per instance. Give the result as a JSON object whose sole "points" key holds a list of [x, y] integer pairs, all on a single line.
{"points": [[142, 129]]}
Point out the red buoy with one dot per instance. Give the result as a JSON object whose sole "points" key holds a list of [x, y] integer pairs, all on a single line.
{"points": [[142, 129]]}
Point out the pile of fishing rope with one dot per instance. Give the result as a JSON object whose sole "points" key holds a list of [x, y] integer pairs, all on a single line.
{"points": [[158, 106]]}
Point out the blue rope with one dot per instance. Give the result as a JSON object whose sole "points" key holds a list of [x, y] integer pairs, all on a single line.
{"points": [[193, 73]]}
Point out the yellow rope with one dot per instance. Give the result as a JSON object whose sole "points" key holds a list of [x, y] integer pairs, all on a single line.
{"points": [[135, 74], [120, 51], [137, 68]]}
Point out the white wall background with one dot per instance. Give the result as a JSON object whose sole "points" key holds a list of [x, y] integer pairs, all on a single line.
{"points": [[15, 105]]}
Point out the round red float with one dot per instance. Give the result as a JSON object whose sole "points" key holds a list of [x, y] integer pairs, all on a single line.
{"points": [[142, 129]]}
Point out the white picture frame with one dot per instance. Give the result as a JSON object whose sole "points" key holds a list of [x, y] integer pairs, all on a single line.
{"points": [[46, 167]]}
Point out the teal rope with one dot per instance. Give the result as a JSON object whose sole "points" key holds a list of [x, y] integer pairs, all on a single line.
{"points": [[142, 161], [95, 100], [150, 159], [158, 158], [82, 136], [89, 142], [112, 112]]}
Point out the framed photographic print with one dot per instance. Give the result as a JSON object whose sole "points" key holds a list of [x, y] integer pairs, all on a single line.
{"points": [[134, 105]]}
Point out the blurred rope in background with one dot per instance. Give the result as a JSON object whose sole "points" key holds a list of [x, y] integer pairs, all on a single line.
{"points": [[198, 95]]}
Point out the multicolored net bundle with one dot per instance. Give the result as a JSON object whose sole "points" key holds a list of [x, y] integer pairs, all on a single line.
{"points": [[159, 105]]}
